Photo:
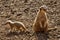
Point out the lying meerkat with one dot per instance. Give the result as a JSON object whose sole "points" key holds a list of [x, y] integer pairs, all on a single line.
{"points": [[19, 26], [41, 21]]}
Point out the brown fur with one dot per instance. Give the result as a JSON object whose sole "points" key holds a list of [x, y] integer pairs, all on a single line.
{"points": [[40, 23]]}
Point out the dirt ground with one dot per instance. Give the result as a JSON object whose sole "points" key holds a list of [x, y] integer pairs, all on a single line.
{"points": [[25, 11]]}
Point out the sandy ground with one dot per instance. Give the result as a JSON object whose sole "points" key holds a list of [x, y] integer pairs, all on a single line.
{"points": [[25, 11]]}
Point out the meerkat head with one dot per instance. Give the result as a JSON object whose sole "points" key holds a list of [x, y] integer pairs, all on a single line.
{"points": [[43, 8]]}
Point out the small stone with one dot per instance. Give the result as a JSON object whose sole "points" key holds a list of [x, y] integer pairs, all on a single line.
{"points": [[58, 36], [16, 36]]}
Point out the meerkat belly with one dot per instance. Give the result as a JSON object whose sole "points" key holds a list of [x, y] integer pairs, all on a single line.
{"points": [[42, 23]]}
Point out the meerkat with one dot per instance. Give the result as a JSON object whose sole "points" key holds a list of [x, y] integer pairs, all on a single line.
{"points": [[41, 21], [16, 25]]}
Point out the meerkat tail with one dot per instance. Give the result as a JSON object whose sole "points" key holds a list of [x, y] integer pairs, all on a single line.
{"points": [[50, 29]]}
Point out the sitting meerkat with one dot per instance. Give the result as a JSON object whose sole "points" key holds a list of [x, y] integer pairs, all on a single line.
{"points": [[16, 26], [41, 21]]}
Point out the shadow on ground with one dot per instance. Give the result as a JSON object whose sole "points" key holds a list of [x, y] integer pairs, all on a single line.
{"points": [[41, 36], [16, 33]]}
